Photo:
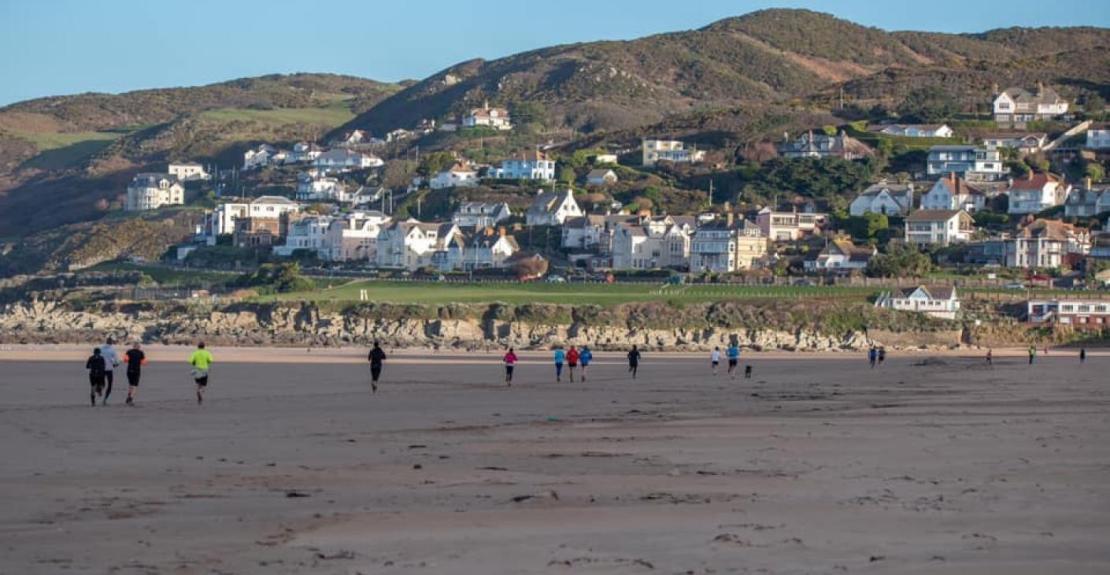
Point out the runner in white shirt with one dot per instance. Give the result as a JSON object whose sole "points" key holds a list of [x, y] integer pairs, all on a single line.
{"points": [[715, 359]]}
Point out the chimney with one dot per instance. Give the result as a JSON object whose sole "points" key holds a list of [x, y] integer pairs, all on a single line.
{"points": [[728, 219], [501, 231], [1087, 183]]}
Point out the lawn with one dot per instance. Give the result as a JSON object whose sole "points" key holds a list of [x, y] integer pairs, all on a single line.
{"points": [[599, 294], [334, 114]]}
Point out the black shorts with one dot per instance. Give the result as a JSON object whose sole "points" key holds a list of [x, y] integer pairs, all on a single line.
{"points": [[715, 363], [96, 380], [133, 378], [202, 381], [733, 362]]}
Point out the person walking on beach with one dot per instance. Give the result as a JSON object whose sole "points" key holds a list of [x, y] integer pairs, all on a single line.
{"points": [[201, 360], [111, 361], [95, 365], [733, 353], [585, 357], [560, 357], [135, 360], [873, 356], [882, 355], [990, 356], [1082, 355], [509, 359], [1032, 354], [634, 361], [715, 359], [376, 358], [572, 362]]}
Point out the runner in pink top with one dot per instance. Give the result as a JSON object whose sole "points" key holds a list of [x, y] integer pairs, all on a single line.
{"points": [[510, 363]]}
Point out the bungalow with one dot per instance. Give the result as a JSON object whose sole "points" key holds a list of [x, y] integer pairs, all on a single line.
{"points": [[532, 165], [668, 151], [938, 227], [789, 226], [935, 301], [841, 255], [496, 118], [601, 177], [917, 130], [552, 208], [1022, 142], [822, 145], [187, 171], [1036, 192], [482, 249], [726, 246], [953, 193], [883, 198], [481, 214], [460, 175], [342, 159], [1046, 244], [970, 162], [1016, 106], [1076, 313], [151, 191]]}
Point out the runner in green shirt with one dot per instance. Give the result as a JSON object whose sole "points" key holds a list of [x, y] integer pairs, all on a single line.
{"points": [[201, 360]]}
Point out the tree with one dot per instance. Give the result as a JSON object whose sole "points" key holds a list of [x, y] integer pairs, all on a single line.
{"points": [[867, 226], [1094, 171], [567, 175], [531, 267], [927, 104], [899, 261], [1094, 105], [435, 162]]}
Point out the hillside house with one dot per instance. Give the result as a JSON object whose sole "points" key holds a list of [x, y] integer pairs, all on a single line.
{"points": [[481, 214], [1075, 313], [532, 165], [304, 152], [789, 226], [187, 171], [412, 245], [660, 242], [552, 208], [354, 237], [840, 255], [1016, 106], [496, 118], [938, 227], [352, 138], [971, 162], [936, 301], [314, 186], [259, 232], [1022, 142], [263, 155], [601, 177], [654, 151], [151, 191], [1098, 137], [821, 145], [1036, 192], [486, 248], [726, 246], [221, 220], [883, 198], [593, 233], [309, 233], [954, 193], [917, 130], [342, 160], [1046, 244], [604, 160], [1087, 201], [459, 175]]}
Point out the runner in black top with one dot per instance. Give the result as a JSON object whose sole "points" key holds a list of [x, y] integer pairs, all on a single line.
{"points": [[134, 358], [95, 365], [634, 361], [376, 357]]}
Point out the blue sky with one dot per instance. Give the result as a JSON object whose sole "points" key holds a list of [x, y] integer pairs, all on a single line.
{"points": [[53, 47]]}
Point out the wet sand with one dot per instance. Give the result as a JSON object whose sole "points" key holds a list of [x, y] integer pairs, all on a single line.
{"points": [[816, 465]]}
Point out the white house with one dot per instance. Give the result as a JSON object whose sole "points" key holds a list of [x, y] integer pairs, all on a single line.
{"points": [[1036, 192], [669, 151], [1087, 201], [662, 242], [1016, 106], [593, 233], [953, 193], [841, 255], [482, 249], [263, 155], [1078, 313], [304, 152], [883, 198], [342, 159], [151, 191], [917, 130], [459, 175], [971, 162], [552, 208], [938, 227], [412, 244], [533, 165], [1098, 138], [789, 226], [352, 138], [601, 177], [1022, 142], [187, 171], [481, 214], [604, 160], [354, 237], [496, 118], [1045, 244], [221, 221], [314, 186], [309, 233], [935, 301]]}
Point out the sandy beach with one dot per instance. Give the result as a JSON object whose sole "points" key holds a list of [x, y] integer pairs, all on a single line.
{"points": [[818, 464]]}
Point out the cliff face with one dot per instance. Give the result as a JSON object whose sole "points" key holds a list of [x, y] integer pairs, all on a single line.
{"points": [[444, 327]]}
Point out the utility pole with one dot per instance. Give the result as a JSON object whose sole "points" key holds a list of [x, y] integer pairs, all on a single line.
{"points": [[710, 192]]}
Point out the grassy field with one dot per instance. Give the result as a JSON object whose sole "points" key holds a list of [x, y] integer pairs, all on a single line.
{"points": [[582, 294], [329, 116]]}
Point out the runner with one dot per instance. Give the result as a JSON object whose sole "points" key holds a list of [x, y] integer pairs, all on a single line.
{"points": [[733, 353], [376, 357], [560, 356], [990, 356], [111, 361], [510, 363], [1032, 354], [873, 356], [572, 362], [1082, 355], [585, 357], [135, 360], [201, 360], [882, 355], [95, 365], [634, 361], [715, 359]]}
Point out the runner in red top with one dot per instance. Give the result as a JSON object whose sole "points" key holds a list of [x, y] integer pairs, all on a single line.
{"points": [[572, 361]]}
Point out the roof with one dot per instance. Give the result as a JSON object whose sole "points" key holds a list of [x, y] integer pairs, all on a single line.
{"points": [[892, 189], [934, 292], [932, 215], [152, 178], [1050, 229], [1034, 181], [273, 200], [600, 173], [547, 202], [1043, 95], [951, 148], [528, 156], [958, 186]]}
